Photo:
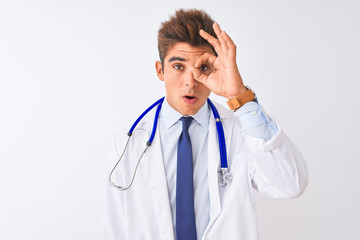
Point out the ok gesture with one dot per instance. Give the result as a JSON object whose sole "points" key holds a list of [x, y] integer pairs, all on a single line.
{"points": [[225, 79]]}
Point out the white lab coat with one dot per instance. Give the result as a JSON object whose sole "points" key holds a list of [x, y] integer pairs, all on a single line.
{"points": [[274, 168]]}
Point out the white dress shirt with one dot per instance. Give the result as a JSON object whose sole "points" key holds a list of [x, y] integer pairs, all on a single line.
{"points": [[254, 122]]}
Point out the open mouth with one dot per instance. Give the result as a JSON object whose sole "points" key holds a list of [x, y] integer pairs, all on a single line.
{"points": [[189, 97]]}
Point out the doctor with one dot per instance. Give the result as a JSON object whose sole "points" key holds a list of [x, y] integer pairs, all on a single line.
{"points": [[173, 197]]}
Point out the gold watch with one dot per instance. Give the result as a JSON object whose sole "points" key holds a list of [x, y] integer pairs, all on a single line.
{"points": [[238, 101]]}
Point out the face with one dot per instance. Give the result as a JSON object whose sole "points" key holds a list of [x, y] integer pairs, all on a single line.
{"points": [[183, 92]]}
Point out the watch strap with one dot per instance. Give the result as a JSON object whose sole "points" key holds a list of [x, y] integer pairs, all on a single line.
{"points": [[238, 101]]}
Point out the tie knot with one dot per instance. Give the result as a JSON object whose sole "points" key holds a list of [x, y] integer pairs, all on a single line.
{"points": [[186, 121]]}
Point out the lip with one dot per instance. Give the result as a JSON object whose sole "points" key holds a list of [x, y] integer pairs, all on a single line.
{"points": [[190, 101]]}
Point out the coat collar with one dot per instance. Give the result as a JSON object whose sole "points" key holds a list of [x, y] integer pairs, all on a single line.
{"points": [[170, 116], [223, 112]]}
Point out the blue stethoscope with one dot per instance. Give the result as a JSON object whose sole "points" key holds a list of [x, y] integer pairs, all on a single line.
{"points": [[224, 175]]}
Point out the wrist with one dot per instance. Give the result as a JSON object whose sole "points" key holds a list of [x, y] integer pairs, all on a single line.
{"points": [[237, 93]]}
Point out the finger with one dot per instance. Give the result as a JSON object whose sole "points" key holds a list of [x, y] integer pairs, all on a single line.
{"points": [[205, 58], [213, 41], [219, 35], [199, 76], [231, 45], [229, 42]]}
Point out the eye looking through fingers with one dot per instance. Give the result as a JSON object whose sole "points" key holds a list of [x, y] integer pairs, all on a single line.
{"points": [[204, 68]]}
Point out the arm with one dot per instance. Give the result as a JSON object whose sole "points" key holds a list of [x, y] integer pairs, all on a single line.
{"points": [[255, 122], [277, 168]]}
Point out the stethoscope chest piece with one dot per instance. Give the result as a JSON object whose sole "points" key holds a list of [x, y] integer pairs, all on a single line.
{"points": [[224, 176]]}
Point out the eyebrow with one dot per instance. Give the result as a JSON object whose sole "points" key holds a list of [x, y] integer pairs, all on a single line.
{"points": [[177, 59]]}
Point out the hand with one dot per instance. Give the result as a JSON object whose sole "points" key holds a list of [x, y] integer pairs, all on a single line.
{"points": [[224, 79]]}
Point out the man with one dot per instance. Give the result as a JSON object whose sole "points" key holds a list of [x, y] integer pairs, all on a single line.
{"points": [[163, 202]]}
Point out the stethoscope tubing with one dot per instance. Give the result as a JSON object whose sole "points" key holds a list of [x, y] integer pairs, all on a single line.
{"points": [[221, 136], [144, 113], [220, 133]]}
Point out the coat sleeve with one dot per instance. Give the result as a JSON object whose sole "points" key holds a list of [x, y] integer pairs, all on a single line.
{"points": [[113, 225], [276, 167]]}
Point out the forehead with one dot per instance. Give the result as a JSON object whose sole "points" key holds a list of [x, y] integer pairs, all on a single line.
{"points": [[186, 51]]}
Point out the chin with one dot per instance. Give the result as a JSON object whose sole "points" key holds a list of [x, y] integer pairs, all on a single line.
{"points": [[188, 112], [185, 108]]}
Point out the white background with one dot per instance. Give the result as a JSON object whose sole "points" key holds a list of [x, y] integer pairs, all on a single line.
{"points": [[73, 73]]}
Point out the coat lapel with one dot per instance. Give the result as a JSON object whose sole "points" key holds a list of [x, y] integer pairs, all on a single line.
{"points": [[154, 171], [213, 165]]}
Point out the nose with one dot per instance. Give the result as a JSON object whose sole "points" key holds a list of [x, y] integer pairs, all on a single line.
{"points": [[190, 80]]}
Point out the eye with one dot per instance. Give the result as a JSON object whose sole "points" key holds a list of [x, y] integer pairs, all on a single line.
{"points": [[203, 68], [178, 66]]}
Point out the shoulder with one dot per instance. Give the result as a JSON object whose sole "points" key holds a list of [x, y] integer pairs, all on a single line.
{"points": [[230, 122], [224, 112], [144, 125]]}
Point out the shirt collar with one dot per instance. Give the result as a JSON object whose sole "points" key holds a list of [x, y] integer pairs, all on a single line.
{"points": [[170, 116]]}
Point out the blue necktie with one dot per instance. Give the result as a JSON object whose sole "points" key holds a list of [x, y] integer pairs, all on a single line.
{"points": [[185, 214]]}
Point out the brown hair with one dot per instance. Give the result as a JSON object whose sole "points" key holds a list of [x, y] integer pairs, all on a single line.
{"points": [[184, 26]]}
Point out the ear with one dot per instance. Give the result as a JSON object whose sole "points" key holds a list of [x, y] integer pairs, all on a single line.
{"points": [[159, 70]]}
